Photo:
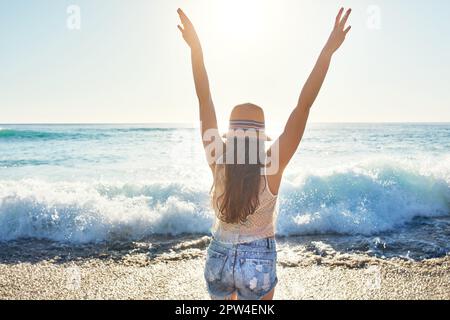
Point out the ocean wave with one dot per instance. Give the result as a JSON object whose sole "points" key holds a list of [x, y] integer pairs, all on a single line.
{"points": [[81, 212], [85, 133], [363, 200], [12, 134]]}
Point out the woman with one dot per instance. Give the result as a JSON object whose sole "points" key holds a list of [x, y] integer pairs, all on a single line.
{"points": [[241, 259]]}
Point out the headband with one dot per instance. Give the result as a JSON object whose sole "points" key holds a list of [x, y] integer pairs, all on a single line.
{"points": [[247, 125]]}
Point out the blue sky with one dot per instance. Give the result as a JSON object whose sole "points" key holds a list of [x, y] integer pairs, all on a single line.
{"points": [[129, 64]]}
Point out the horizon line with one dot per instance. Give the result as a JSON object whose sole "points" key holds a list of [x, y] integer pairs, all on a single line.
{"points": [[197, 124]]}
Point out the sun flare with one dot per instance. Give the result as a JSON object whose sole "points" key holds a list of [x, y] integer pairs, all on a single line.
{"points": [[237, 18]]}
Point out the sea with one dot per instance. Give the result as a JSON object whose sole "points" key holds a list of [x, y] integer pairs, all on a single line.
{"points": [[377, 189]]}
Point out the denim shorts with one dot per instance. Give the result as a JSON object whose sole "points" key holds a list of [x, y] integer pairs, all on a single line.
{"points": [[248, 269]]}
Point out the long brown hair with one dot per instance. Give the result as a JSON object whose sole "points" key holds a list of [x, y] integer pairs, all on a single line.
{"points": [[241, 183]]}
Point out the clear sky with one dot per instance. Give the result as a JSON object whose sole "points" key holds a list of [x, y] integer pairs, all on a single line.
{"points": [[128, 62]]}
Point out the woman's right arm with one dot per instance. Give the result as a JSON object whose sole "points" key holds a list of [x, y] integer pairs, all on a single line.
{"points": [[289, 140], [211, 138]]}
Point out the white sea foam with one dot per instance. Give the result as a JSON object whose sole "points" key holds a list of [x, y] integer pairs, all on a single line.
{"points": [[80, 212], [365, 199], [362, 199]]}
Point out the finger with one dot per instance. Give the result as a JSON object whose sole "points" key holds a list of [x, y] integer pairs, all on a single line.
{"points": [[347, 30], [338, 18], [180, 28], [183, 16], [344, 20]]}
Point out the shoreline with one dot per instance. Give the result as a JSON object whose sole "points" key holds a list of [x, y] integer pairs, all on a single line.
{"points": [[172, 269]]}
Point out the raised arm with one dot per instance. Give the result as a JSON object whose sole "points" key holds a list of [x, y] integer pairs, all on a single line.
{"points": [[207, 112], [295, 127]]}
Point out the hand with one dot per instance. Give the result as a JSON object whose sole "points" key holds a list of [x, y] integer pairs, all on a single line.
{"points": [[188, 31], [339, 32]]}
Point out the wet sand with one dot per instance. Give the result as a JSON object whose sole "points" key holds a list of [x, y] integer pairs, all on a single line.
{"points": [[172, 269]]}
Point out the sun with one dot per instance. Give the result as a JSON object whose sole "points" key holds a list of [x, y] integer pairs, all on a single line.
{"points": [[240, 18]]}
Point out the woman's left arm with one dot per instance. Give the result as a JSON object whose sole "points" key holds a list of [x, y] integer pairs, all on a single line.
{"points": [[290, 139]]}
